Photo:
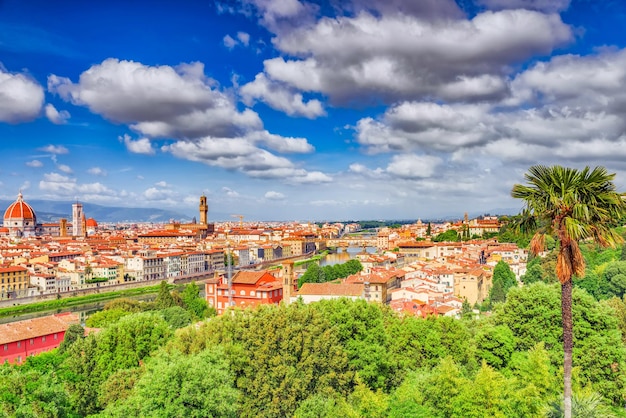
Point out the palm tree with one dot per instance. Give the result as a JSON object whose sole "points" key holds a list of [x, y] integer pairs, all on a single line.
{"points": [[571, 205]]}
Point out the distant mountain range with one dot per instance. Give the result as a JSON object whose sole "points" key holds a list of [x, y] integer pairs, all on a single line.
{"points": [[52, 211]]}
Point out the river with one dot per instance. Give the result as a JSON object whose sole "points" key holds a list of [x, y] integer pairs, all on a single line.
{"points": [[344, 254], [83, 310]]}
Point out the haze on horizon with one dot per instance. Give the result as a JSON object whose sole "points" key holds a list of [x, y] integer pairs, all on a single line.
{"points": [[287, 109]]}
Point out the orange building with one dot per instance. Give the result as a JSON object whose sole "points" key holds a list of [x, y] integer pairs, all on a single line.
{"points": [[249, 288]]}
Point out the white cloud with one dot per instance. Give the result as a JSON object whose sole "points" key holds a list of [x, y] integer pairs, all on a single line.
{"points": [[21, 98], [244, 38], [281, 97], [34, 164], [97, 171], [243, 155], [154, 193], [230, 192], [272, 195], [161, 184], [54, 149], [413, 166], [57, 185], [64, 168], [548, 6], [56, 117], [229, 42], [390, 57], [157, 101], [140, 146]]}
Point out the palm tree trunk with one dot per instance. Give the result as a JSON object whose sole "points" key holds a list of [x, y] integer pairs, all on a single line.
{"points": [[566, 316]]}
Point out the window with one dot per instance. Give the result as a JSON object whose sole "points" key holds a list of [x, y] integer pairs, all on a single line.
{"points": [[6, 347], [43, 339], [31, 341], [55, 336], [252, 293], [242, 292], [19, 344]]}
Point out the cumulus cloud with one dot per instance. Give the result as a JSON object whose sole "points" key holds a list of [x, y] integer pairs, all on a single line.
{"points": [[59, 185], [230, 192], [56, 117], [243, 38], [157, 101], [21, 98], [154, 193], [281, 97], [229, 42], [34, 164], [161, 184], [242, 155], [139, 146], [548, 6], [412, 126], [64, 168], [413, 166], [97, 171], [272, 195], [390, 57], [54, 149]]}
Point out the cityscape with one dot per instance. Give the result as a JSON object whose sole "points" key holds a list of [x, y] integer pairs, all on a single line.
{"points": [[313, 208]]}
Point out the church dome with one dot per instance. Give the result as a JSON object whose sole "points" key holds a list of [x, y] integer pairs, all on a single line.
{"points": [[20, 210], [91, 223]]}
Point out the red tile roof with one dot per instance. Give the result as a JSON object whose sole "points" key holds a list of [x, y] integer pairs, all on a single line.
{"points": [[36, 327]]}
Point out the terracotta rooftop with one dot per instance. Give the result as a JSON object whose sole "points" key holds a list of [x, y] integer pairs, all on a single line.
{"points": [[36, 327]]}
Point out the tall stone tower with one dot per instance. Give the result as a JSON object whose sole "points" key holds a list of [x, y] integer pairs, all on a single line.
{"points": [[287, 281], [77, 219], [204, 210], [63, 227]]}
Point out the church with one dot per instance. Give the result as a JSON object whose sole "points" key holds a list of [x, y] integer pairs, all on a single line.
{"points": [[20, 219]]}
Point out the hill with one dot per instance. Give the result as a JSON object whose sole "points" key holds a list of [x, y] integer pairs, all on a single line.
{"points": [[53, 210]]}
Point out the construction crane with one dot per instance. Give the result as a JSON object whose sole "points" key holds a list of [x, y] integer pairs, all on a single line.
{"points": [[240, 219]]}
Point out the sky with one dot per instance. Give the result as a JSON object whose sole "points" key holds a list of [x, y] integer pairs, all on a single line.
{"points": [[297, 110]]}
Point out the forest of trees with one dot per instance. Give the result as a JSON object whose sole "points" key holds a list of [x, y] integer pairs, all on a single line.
{"points": [[328, 359]]}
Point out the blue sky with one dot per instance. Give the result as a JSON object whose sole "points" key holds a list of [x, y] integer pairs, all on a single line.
{"points": [[294, 110]]}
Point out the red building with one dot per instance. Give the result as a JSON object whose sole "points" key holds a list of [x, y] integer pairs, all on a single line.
{"points": [[21, 339], [249, 288]]}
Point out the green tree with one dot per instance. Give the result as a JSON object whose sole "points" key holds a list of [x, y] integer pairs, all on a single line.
{"points": [[495, 345], [615, 276], [533, 312], [74, 332], [106, 317], [164, 298], [570, 205], [313, 274], [449, 235], [429, 229], [193, 302], [175, 385]]}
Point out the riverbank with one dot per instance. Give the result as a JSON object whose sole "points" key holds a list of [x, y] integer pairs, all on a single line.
{"points": [[75, 300]]}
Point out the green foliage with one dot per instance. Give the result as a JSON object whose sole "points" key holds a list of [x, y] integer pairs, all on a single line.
{"points": [[449, 236], [495, 345], [175, 385], [106, 317], [96, 280], [280, 356], [316, 274], [533, 314], [503, 280], [195, 304], [164, 298], [176, 317], [122, 345], [73, 333]]}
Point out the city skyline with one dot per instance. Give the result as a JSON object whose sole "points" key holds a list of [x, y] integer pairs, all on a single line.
{"points": [[292, 110]]}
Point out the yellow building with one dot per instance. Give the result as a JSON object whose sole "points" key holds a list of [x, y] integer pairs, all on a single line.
{"points": [[14, 281]]}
